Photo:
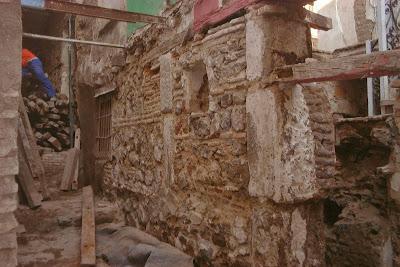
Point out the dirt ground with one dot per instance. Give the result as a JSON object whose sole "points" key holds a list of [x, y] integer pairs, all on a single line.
{"points": [[53, 231]]}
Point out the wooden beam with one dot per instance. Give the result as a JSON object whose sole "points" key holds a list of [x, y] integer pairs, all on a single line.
{"points": [[77, 146], [344, 68], [69, 169], [25, 177], [209, 12], [317, 21], [34, 158], [92, 11], [88, 235]]}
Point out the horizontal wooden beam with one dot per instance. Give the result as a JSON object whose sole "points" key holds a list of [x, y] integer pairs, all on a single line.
{"points": [[91, 11], [208, 13], [317, 21], [343, 68]]}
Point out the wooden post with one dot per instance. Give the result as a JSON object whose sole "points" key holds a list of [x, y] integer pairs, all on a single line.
{"points": [[77, 146], [88, 236], [69, 169]]}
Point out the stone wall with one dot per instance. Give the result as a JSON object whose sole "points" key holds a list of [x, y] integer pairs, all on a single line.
{"points": [[208, 156], [10, 86], [90, 77], [361, 218]]}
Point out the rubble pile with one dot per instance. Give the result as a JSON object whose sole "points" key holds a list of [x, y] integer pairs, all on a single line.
{"points": [[49, 120]]}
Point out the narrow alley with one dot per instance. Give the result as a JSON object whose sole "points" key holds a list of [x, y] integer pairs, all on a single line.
{"points": [[193, 133]]}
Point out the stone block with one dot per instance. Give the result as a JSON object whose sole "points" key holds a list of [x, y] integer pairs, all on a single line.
{"points": [[9, 165], [280, 146], [272, 41], [226, 100], [8, 185], [9, 128], [7, 223], [166, 83], [286, 236], [394, 187], [169, 148], [9, 203], [8, 147], [8, 257], [118, 60], [8, 240], [255, 48], [238, 118], [9, 107]]}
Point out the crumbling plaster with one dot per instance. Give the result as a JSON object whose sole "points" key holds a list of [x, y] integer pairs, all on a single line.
{"points": [[199, 180]]}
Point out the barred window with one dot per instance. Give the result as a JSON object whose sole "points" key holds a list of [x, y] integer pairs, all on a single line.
{"points": [[103, 121]]}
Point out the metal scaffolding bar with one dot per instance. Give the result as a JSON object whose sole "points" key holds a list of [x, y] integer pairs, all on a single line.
{"points": [[384, 81], [59, 39], [370, 86], [91, 11]]}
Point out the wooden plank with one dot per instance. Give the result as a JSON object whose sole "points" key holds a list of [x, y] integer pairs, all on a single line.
{"points": [[34, 158], [344, 68], [88, 235], [100, 12], [25, 178], [75, 174], [77, 145], [208, 12], [317, 21], [69, 169]]}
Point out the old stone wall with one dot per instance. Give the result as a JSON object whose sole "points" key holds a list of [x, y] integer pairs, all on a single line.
{"points": [[91, 77], [361, 218], [10, 86], [208, 156]]}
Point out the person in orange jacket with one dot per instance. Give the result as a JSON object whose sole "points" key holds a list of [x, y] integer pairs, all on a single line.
{"points": [[31, 64]]}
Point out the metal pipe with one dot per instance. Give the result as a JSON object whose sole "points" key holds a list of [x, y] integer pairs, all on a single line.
{"points": [[370, 86], [70, 89], [59, 39], [384, 81]]}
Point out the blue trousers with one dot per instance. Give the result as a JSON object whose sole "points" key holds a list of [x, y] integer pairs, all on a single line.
{"points": [[35, 67]]}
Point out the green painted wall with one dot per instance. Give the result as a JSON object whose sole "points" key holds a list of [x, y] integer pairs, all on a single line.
{"points": [[152, 7]]}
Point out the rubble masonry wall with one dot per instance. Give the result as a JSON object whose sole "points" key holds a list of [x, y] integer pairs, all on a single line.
{"points": [[208, 156]]}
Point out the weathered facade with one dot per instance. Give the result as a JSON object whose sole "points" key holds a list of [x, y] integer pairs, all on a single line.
{"points": [[211, 158], [90, 78]]}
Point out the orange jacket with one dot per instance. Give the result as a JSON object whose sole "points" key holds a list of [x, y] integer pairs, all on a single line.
{"points": [[26, 57]]}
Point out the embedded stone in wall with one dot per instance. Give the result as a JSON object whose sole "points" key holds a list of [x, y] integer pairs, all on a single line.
{"points": [[262, 132], [166, 83], [394, 186], [255, 48], [273, 41], [169, 148], [285, 236], [280, 146]]}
